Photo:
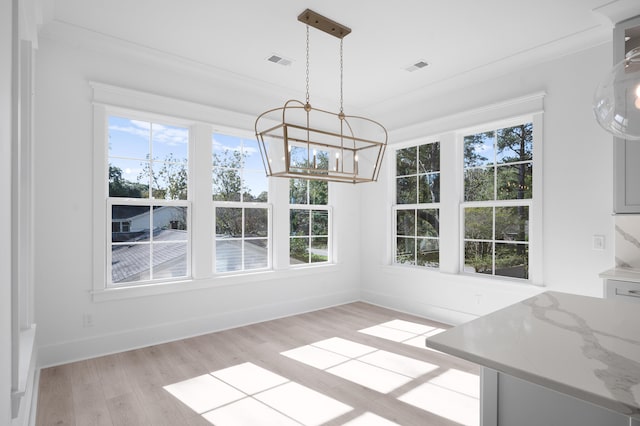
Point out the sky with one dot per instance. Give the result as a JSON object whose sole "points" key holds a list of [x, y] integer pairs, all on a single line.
{"points": [[131, 142]]}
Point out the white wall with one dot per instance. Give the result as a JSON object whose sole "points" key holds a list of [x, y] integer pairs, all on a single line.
{"points": [[577, 174], [577, 196], [63, 221]]}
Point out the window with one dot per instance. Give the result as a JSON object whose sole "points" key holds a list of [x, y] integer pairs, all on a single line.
{"points": [[309, 240], [242, 215], [416, 213], [498, 192], [147, 202]]}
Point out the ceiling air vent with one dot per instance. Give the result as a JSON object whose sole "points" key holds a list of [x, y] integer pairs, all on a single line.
{"points": [[276, 59], [418, 65]]}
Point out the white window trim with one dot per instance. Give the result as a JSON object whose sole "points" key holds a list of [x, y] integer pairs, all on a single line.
{"points": [[113, 100], [417, 206], [450, 130]]}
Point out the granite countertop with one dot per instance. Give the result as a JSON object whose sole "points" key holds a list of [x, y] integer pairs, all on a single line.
{"points": [[623, 274], [585, 347]]}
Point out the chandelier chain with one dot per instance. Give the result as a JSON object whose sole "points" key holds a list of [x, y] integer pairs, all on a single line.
{"points": [[341, 78], [307, 63]]}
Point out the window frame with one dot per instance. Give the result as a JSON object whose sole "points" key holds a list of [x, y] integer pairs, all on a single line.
{"points": [[414, 206], [450, 130], [535, 241], [242, 204], [310, 208], [202, 121], [146, 202]]}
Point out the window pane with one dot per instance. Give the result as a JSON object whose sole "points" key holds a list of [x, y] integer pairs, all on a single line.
{"points": [[228, 222], [429, 188], [429, 157], [138, 218], [227, 184], [479, 149], [406, 163], [428, 252], [169, 180], [299, 222], [169, 260], [256, 222], [252, 157], [169, 143], [478, 184], [514, 182], [406, 188], [228, 255], [129, 138], [298, 191], [319, 222], [226, 150], [512, 260], [428, 223], [256, 253], [298, 250], [130, 263], [126, 179], [318, 192], [406, 222], [319, 249], [515, 144], [256, 187], [478, 257], [478, 223], [512, 223], [406, 250]]}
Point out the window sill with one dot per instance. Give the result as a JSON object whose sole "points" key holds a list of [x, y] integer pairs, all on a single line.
{"points": [[465, 276], [119, 293]]}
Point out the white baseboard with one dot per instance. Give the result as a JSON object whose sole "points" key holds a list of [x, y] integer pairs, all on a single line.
{"points": [[417, 307], [99, 345]]}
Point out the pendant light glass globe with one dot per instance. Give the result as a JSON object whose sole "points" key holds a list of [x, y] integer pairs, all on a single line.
{"points": [[616, 103]]}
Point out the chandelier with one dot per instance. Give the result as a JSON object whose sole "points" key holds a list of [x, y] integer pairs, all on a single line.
{"points": [[300, 141], [616, 103]]}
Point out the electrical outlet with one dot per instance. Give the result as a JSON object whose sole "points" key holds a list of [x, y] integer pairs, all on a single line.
{"points": [[598, 242], [87, 320]]}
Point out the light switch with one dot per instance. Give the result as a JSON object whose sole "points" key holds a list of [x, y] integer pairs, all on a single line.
{"points": [[598, 242]]}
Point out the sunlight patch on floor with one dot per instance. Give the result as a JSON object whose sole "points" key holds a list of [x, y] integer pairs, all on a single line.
{"points": [[406, 332], [249, 395], [248, 412], [367, 366], [204, 393], [303, 404]]}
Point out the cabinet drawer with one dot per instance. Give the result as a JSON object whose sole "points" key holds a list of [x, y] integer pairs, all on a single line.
{"points": [[623, 290]]}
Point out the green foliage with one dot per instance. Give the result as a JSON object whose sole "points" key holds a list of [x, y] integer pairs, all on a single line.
{"points": [[120, 187], [298, 249]]}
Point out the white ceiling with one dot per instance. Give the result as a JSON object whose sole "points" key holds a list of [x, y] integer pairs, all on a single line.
{"points": [[464, 41]]}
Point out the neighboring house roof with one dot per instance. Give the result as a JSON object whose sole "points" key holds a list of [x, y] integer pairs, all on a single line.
{"points": [[131, 262]]}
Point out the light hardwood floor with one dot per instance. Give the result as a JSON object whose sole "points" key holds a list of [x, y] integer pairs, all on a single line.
{"points": [[227, 377]]}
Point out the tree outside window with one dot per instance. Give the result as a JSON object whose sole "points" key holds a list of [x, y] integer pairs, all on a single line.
{"points": [[417, 216], [498, 171], [309, 236]]}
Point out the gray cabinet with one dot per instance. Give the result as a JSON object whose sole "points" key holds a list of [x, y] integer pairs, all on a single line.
{"points": [[626, 154]]}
